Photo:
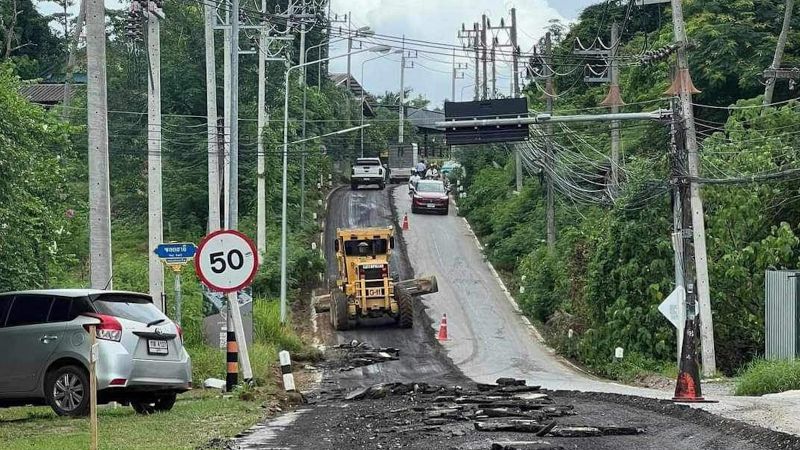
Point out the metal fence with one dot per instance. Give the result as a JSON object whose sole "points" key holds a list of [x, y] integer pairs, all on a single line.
{"points": [[782, 305]]}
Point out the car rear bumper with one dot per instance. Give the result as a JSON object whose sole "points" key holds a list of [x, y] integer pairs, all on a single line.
{"points": [[119, 370], [367, 180]]}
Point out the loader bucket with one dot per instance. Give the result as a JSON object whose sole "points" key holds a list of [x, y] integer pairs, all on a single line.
{"points": [[420, 286]]}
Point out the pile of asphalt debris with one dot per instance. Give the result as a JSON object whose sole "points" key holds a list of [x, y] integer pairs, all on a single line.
{"points": [[353, 354], [507, 406]]}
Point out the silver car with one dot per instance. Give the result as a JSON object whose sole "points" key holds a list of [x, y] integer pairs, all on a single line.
{"points": [[45, 350]]}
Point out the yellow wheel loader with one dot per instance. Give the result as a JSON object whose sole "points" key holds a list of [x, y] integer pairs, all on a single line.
{"points": [[366, 287]]}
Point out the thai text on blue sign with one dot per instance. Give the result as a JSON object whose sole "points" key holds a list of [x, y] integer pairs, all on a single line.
{"points": [[176, 253]]}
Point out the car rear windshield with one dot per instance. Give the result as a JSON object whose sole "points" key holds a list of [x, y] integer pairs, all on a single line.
{"points": [[130, 307], [430, 187], [368, 162]]}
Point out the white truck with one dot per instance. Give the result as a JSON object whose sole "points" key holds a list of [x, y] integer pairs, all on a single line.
{"points": [[402, 160], [368, 171]]}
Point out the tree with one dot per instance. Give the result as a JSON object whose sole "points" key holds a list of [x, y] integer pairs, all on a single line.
{"points": [[27, 40], [36, 208]]}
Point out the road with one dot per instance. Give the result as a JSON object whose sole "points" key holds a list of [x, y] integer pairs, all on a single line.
{"points": [[489, 339]]}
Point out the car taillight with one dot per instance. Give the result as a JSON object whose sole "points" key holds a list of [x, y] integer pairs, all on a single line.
{"points": [[384, 271], [109, 328], [361, 273], [180, 332]]}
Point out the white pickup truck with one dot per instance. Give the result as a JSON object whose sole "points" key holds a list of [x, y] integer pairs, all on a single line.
{"points": [[368, 171]]}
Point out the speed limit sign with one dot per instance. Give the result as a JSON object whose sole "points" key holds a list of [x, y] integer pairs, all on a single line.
{"points": [[226, 261]]}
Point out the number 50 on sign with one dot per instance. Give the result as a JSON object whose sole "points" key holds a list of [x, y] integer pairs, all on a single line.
{"points": [[226, 261]]}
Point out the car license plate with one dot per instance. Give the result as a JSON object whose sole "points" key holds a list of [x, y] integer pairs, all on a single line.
{"points": [[431, 205], [375, 292], [157, 347]]}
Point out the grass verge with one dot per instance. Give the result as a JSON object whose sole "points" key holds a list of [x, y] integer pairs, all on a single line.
{"points": [[197, 418], [768, 377]]}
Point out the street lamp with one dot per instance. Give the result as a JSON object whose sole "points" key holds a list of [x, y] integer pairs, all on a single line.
{"points": [[364, 92], [284, 197]]}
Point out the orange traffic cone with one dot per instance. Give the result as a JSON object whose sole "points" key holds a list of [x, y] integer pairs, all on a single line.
{"points": [[442, 336], [405, 221], [687, 388]]}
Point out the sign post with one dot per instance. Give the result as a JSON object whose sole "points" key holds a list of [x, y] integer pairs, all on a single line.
{"points": [[226, 262], [175, 255], [674, 309], [93, 388]]}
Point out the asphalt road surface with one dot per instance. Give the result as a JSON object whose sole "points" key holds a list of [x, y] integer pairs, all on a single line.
{"points": [[488, 339]]}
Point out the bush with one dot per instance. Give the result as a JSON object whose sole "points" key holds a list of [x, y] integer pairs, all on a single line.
{"points": [[209, 362], [767, 377], [267, 327]]}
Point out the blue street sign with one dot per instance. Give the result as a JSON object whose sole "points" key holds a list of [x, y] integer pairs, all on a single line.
{"points": [[176, 252]]}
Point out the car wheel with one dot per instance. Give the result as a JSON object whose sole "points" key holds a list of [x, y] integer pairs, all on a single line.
{"points": [[382, 186], [165, 402], [353, 187], [67, 391]]}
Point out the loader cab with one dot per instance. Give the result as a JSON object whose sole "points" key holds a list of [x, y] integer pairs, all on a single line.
{"points": [[363, 254]]}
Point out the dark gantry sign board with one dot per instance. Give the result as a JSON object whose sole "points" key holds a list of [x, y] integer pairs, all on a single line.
{"points": [[486, 109]]}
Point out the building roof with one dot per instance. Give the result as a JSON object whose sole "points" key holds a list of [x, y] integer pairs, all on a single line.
{"points": [[47, 93], [424, 119], [340, 79]]}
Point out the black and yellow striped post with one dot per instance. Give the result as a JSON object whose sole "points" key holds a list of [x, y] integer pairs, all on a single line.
{"points": [[232, 375]]}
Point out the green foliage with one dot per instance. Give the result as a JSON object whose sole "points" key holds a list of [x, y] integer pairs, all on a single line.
{"points": [[34, 194], [613, 265], [761, 377]]}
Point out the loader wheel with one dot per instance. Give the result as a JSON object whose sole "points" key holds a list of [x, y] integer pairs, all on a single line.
{"points": [[339, 310], [405, 306]]}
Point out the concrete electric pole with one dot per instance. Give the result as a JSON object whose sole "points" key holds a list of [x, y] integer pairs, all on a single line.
{"points": [[97, 121], [779, 49], [261, 182], [549, 94], [614, 101], [155, 215], [682, 87], [211, 113], [484, 48]]}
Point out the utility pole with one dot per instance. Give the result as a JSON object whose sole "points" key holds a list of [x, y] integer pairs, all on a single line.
{"points": [[458, 74], [97, 120], [453, 84], [226, 124], [484, 45], [549, 94], [211, 113], [614, 100], [303, 151], [73, 48], [401, 113], [261, 186], [470, 40], [349, 48], [155, 223], [514, 57], [494, 69], [678, 163], [779, 49], [515, 91], [683, 87]]}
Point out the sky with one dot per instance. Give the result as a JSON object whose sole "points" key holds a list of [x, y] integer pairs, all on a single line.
{"points": [[429, 20], [439, 21]]}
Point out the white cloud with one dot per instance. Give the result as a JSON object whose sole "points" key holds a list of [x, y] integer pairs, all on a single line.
{"points": [[436, 21]]}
